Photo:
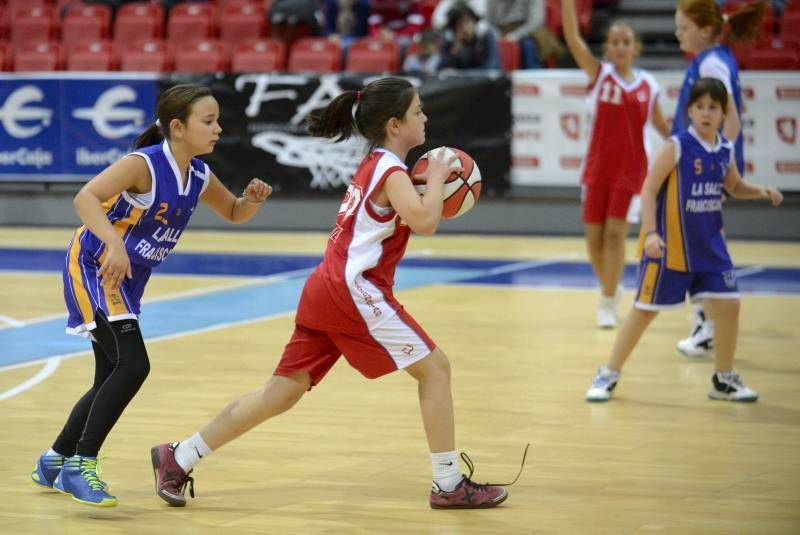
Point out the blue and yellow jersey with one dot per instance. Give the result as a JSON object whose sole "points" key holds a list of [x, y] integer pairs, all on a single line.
{"points": [[689, 205], [715, 62], [150, 225]]}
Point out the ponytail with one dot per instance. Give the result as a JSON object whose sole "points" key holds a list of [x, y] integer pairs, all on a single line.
{"points": [[364, 112], [337, 119], [744, 21], [152, 136]]}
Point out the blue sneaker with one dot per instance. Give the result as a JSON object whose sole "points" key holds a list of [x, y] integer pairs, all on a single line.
{"points": [[79, 477], [46, 469]]}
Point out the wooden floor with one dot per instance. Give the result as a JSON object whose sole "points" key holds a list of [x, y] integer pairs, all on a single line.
{"points": [[352, 458]]}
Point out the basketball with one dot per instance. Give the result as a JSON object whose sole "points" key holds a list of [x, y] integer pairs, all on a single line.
{"points": [[461, 189]]}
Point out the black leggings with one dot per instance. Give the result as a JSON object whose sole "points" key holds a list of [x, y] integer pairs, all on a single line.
{"points": [[121, 366]]}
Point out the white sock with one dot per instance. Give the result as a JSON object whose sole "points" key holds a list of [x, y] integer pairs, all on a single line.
{"points": [[51, 451], [189, 452], [445, 470]]}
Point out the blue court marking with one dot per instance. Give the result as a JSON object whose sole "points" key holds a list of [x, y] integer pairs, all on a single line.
{"points": [[172, 316], [182, 314]]}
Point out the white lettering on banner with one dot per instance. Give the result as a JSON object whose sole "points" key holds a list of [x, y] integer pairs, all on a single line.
{"points": [[84, 156], [26, 157], [331, 165], [262, 83], [770, 125], [107, 109], [15, 109]]}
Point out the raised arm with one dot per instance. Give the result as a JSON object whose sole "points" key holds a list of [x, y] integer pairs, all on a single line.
{"points": [[577, 46], [235, 209]]}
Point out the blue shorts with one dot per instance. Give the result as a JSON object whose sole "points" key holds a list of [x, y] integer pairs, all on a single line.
{"points": [[661, 288]]}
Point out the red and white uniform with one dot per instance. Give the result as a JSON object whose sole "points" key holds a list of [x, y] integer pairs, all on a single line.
{"points": [[347, 305], [616, 162]]}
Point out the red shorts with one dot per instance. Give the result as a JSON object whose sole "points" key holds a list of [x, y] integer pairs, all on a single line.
{"points": [[601, 202], [395, 344]]}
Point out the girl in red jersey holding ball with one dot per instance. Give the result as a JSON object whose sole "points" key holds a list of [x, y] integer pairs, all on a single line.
{"points": [[623, 99], [347, 306]]}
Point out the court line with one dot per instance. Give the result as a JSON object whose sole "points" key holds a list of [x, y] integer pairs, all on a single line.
{"points": [[50, 367], [10, 321], [52, 363]]}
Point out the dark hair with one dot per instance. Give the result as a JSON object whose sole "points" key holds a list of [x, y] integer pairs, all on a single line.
{"points": [[174, 103], [743, 22], [379, 101], [712, 87], [459, 12]]}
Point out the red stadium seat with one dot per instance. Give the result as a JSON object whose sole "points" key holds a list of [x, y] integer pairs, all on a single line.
{"points": [[138, 20], [790, 27], [315, 54], [45, 56], [191, 21], [86, 23], [5, 56], [92, 56], [510, 55], [204, 55], [373, 55], [242, 21], [257, 55], [33, 25], [147, 55], [774, 59]]}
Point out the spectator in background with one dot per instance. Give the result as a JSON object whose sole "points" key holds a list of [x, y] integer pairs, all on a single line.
{"points": [[524, 21], [439, 17], [468, 41], [293, 19], [346, 20], [426, 59]]}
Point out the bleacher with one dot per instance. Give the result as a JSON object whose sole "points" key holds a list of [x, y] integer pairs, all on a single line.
{"points": [[236, 36]]}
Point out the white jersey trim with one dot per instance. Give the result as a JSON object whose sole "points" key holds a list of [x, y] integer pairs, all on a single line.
{"points": [[713, 66], [143, 200]]}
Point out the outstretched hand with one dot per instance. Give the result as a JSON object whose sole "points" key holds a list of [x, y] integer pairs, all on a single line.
{"points": [[257, 191], [774, 196]]}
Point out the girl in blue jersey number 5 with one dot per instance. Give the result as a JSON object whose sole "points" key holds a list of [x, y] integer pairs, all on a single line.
{"points": [[133, 214], [684, 248]]}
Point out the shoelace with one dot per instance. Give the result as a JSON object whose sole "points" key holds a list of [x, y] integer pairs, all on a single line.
{"points": [[189, 480], [471, 467], [90, 470]]}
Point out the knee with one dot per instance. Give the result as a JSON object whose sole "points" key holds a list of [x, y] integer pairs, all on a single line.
{"points": [[140, 370], [613, 237], [439, 368]]}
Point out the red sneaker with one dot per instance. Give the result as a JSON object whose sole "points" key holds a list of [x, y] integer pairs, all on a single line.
{"points": [[471, 495], [468, 495], [171, 480]]}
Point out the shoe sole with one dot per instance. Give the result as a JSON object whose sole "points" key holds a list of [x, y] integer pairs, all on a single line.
{"points": [[487, 505], [104, 503], [719, 396], [169, 498], [694, 355]]}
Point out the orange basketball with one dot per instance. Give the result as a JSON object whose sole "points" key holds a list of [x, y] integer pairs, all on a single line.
{"points": [[461, 189]]}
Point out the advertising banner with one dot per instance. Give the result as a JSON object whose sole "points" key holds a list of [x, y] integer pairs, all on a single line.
{"points": [[552, 124], [64, 128], [263, 117]]}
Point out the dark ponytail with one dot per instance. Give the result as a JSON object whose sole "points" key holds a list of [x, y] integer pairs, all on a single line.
{"points": [[380, 101], [745, 20], [152, 136], [336, 119], [174, 103]]}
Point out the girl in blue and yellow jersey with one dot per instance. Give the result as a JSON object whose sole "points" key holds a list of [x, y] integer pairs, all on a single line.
{"points": [[133, 214], [699, 25], [684, 247]]}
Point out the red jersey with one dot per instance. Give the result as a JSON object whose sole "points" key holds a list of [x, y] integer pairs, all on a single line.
{"points": [[351, 290], [617, 153]]}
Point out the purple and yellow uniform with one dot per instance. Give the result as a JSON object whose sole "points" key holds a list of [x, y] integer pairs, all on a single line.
{"points": [[689, 220], [149, 224]]}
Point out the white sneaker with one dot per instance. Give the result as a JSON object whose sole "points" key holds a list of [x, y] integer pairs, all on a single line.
{"points": [[603, 384], [607, 313], [700, 343], [727, 386]]}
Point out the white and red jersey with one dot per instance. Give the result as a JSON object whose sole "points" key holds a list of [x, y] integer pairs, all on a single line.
{"points": [[617, 153], [351, 290]]}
